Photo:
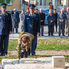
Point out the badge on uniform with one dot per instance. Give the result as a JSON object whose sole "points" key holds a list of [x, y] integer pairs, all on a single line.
{"points": [[36, 18], [6, 14], [29, 14], [34, 14], [0, 14], [27, 18]]}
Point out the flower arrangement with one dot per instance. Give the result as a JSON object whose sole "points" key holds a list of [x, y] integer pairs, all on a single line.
{"points": [[50, 3]]}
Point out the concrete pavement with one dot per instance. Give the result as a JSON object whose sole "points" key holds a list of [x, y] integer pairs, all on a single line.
{"points": [[15, 36]]}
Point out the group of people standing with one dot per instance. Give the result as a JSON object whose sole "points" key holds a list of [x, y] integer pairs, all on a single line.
{"points": [[53, 18], [63, 22], [31, 22], [19, 18]]}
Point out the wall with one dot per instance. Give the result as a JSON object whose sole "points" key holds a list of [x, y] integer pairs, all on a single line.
{"points": [[15, 4], [47, 2]]}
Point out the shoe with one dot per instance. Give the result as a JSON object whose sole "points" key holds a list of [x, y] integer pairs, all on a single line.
{"points": [[42, 35], [4, 54], [52, 35], [0, 54], [33, 55], [59, 34], [63, 35]]}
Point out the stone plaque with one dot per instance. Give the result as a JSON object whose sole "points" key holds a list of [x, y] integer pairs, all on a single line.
{"points": [[58, 61]]}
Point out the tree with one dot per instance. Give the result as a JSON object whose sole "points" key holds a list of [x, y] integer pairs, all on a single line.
{"points": [[5, 1]]}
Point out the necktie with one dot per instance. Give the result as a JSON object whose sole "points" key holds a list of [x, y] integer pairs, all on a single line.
{"points": [[3, 14], [32, 15]]}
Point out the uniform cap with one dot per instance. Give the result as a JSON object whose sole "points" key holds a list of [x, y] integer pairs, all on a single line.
{"points": [[31, 6], [3, 5]]}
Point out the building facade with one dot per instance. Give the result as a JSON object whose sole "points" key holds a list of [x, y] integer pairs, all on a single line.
{"points": [[59, 4], [44, 4], [12, 4]]}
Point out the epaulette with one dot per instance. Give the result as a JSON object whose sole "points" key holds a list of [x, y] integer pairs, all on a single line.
{"points": [[34, 14], [0, 13], [6, 13]]}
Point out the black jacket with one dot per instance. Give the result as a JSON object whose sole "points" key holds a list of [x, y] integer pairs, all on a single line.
{"points": [[42, 17]]}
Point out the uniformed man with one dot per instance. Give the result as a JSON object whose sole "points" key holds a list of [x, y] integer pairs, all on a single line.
{"points": [[5, 29], [62, 18], [16, 19], [32, 25], [51, 19], [21, 16]]}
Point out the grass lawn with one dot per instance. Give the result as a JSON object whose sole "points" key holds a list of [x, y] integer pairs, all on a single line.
{"points": [[53, 44], [46, 44], [43, 44]]}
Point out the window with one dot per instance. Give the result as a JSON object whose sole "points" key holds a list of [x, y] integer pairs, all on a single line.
{"points": [[60, 2], [9, 2]]}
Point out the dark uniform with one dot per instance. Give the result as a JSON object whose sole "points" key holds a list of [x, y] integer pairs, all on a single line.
{"points": [[32, 25], [62, 24], [51, 25], [5, 28], [16, 20]]}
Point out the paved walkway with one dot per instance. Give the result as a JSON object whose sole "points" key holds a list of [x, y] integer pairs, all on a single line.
{"points": [[15, 36], [43, 52], [31, 63]]}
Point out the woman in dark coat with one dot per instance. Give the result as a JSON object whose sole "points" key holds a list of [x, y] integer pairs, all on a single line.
{"points": [[13, 23], [56, 16], [42, 19]]}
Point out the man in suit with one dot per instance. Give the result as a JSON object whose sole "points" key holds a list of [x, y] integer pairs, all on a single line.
{"points": [[67, 25], [27, 11], [42, 18], [16, 19], [62, 18], [32, 25], [65, 12], [21, 16], [5, 29], [51, 19]]}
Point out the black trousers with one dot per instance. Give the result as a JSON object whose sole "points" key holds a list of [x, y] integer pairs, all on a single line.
{"points": [[50, 30], [33, 46], [24, 54], [4, 44], [56, 24], [16, 26], [61, 28]]}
